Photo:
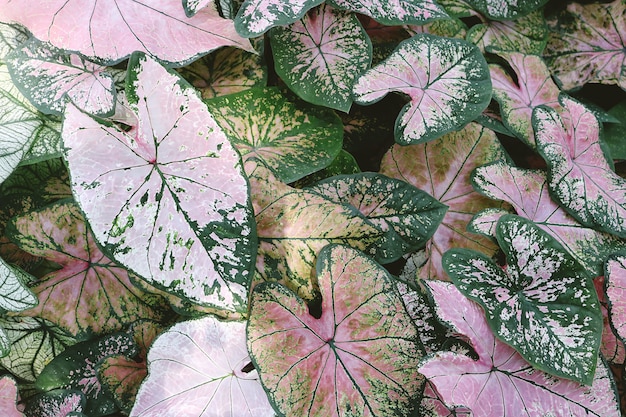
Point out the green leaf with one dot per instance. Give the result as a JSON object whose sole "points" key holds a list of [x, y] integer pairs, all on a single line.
{"points": [[543, 304], [255, 17], [501, 10], [615, 133], [397, 12], [320, 56], [14, 294], [292, 140]]}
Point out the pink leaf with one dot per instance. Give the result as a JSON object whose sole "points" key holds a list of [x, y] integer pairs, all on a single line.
{"points": [[612, 346], [616, 293], [501, 382], [395, 12], [201, 368], [358, 358], [110, 31], [9, 397]]}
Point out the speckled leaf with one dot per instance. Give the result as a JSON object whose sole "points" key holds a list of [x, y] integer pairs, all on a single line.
{"points": [[543, 304], [57, 403], [395, 12], [615, 276], [226, 71], [193, 6], [501, 383], [294, 225], [89, 294], [292, 140], [446, 79], [517, 99], [449, 28], [46, 76], [202, 364], [9, 397], [359, 358], [34, 343], [442, 168], [255, 17], [612, 346], [586, 45], [407, 215], [485, 221], [505, 10], [14, 294], [109, 34], [320, 56], [76, 368], [579, 176], [144, 208], [527, 191], [528, 34]]}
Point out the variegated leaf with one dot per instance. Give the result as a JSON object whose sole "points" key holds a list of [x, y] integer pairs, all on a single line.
{"points": [[579, 176], [109, 34], [358, 358], [449, 28], [145, 210], [442, 168], [612, 346], [492, 9], [395, 12], [527, 191], [14, 294], [543, 304], [320, 56], [194, 6], [9, 397], [57, 403], [517, 98], [500, 382], [446, 79], [485, 221], [292, 140], [615, 283], [255, 17], [586, 45]]}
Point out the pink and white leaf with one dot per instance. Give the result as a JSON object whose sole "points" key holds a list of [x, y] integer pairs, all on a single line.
{"points": [[204, 365], [579, 176], [57, 403], [616, 293], [358, 358], [145, 209], [395, 12], [109, 32], [446, 79], [612, 346], [501, 382], [9, 397], [255, 17]]}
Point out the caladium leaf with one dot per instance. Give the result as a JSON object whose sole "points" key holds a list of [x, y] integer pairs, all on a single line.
{"points": [[615, 133], [586, 45], [517, 99], [544, 304], [442, 168], [255, 17], [76, 368], [110, 34], [204, 365], [447, 80], [612, 346], [485, 221], [57, 403], [492, 9], [432, 405], [358, 358], [14, 294], [320, 56], [449, 28], [294, 225], [396, 12], [293, 141], [615, 283], [90, 294], [501, 382], [193, 6], [579, 176], [144, 211], [407, 215], [9, 397], [527, 191]]}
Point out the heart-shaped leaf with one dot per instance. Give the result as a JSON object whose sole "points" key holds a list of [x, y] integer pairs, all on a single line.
{"points": [[204, 365], [145, 210], [110, 34], [501, 382], [543, 304], [57, 403], [255, 17], [408, 216], [90, 294], [517, 99], [527, 191], [442, 168], [579, 176], [293, 141], [397, 12], [358, 358], [578, 52], [9, 397], [320, 56], [447, 80]]}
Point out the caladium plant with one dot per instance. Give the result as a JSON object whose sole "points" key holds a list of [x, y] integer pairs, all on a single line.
{"points": [[204, 204]]}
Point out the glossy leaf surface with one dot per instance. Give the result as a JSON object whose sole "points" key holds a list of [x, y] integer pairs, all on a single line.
{"points": [[145, 209], [442, 168], [320, 56], [110, 34], [501, 382], [203, 365], [358, 358], [579, 176], [9, 397], [395, 12], [543, 304], [292, 140], [446, 79], [255, 17]]}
